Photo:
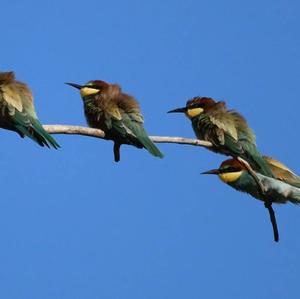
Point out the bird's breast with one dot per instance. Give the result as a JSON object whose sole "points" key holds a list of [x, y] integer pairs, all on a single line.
{"points": [[95, 116]]}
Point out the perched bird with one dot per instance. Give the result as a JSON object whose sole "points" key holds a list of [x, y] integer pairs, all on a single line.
{"points": [[227, 130], [17, 111], [107, 108], [283, 187]]}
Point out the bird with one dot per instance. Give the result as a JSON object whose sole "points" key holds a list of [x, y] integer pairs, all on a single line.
{"points": [[227, 130], [17, 112], [118, 114], [283, 187]]}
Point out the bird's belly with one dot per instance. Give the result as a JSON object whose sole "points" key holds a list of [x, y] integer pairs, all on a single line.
{"points": [[275, 191]]}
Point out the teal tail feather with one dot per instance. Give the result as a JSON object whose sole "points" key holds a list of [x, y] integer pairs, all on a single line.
{"points": [[36, 132], [151, 147], [44, 136]]}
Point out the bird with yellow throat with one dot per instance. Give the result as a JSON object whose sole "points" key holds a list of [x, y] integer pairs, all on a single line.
{"points": [[118, 114], [227, 130], [283, 187]]}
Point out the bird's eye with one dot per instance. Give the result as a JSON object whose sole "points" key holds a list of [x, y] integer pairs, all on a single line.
{"points": [[196, 105], [232, 169]]}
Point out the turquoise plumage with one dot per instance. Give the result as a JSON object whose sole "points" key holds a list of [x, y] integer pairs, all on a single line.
{"points": [[17, 112]]}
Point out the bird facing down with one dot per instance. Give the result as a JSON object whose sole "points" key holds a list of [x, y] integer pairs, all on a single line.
{"points": [[107, 108], [227, 130], [283, 187], [17, 111]]}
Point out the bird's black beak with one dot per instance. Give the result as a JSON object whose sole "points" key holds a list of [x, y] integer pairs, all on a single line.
{"points": [[74, 85], [212, 171], [178, 110]]}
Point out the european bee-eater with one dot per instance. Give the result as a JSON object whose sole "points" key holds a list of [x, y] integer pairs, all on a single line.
{"points": [[283, 187], [107, 108], [17, 111], [227, 130]]}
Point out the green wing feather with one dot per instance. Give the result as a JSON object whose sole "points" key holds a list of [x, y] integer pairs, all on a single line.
{"points": [[131, 129], [28, 126], [18, 114], [230, 135]]}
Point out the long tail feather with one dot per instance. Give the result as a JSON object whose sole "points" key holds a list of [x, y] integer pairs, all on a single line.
{"points": [[43, 136], [30, 126], [150, 146], [23, 131]]}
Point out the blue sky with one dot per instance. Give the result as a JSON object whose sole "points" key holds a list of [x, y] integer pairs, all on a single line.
{"points": [[74, 224]]}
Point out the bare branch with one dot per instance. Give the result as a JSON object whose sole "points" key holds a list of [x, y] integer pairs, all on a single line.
{"points": [[77, 130]]}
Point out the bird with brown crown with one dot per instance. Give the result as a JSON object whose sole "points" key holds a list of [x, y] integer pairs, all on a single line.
{"points": [[227, 130], [118, 114], [283, 187], [17, 111]]}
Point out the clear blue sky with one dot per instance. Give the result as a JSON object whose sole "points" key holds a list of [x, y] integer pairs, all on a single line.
{"points": [[76, 225]]}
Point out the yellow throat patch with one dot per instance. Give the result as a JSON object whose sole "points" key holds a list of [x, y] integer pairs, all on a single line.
{"points": [[230, 177], [86, 91], [193, 112]]}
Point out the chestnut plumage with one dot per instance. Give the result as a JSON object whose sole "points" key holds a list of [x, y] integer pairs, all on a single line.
{"points": [[118, 114]]}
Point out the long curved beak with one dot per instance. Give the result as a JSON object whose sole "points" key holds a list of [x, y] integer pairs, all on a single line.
{"points": [[178, 110], [212, 171], [74, 85]]}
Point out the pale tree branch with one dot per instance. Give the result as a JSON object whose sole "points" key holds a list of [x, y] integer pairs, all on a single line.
{"points": [[91, 132]]}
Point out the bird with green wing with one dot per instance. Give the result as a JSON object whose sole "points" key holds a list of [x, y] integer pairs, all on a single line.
{"points": [[17, 112], [283, 187], [227, 130], [118, 114]]}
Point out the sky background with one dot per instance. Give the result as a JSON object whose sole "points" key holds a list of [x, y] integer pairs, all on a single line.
{"points": [[76, 225]]}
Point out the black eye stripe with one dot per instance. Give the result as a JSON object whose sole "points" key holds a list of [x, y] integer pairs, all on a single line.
{"points": [[230, 169], [197, 105], [91, 86]]}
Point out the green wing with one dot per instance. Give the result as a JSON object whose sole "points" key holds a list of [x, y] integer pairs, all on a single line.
{"points": [[131, 129], [230, 135], [28, 126], [18, 114]]}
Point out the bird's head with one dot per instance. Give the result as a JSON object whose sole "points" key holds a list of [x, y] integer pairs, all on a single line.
{"points": [[91, 88], [229, 171], [195, 106], [6, 77]]}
